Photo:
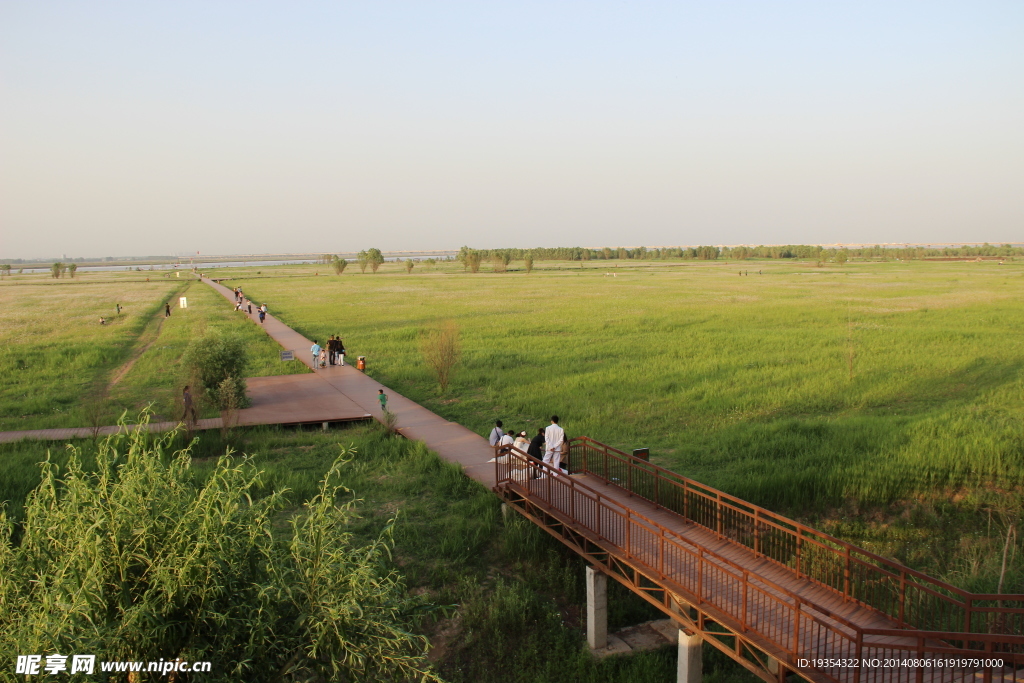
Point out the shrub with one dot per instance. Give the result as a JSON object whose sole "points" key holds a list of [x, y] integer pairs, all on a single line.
{"points": [[442, 350], [210, 360], [339, 265], [138, 562]]}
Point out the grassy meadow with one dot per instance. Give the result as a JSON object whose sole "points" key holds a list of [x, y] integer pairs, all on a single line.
{"points": [[515, 597], [62, 368], [883, 401]]}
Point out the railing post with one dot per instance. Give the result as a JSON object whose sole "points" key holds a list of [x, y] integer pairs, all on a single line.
{"points": [[799, 548], [700, 575], [743, 616], [629, 534], [903, 597], [718, 514], [597, 512], [967, 615], [657, 492], [629, 481], [757, 532], [686, 501], [796, 632], [661, 554], [860, 655], [846, 575]]}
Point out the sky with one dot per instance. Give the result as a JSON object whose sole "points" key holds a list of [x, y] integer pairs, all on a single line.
{"points": [[131, 128]]}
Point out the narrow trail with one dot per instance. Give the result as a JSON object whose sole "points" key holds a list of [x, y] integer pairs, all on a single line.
{"points": [[450, 440]]}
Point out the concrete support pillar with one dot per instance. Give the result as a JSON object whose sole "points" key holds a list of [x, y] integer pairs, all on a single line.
{"points": [[324, 426], [597, 609], [690, 664]]}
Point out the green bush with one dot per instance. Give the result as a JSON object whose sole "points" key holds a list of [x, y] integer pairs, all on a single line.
{"points": [[217, 364], [137, 562]]}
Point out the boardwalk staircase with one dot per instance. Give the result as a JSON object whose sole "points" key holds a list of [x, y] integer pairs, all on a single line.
{"points": [[777, 596]]}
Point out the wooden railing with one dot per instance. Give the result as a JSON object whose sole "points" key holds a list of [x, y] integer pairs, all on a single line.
{"points": [[910, 598], [752, 604]]}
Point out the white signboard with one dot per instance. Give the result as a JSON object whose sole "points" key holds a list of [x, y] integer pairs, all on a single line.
{"points": [[182, 302], [287, 355]]}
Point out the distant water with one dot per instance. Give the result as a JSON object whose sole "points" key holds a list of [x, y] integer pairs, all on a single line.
{"points": [[185, 266]]}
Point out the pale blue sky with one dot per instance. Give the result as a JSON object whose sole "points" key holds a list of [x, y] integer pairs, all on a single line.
{"points": [[145, 128]]}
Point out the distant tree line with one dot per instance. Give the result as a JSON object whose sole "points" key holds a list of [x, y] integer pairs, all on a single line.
{"points": [[472, 259]]}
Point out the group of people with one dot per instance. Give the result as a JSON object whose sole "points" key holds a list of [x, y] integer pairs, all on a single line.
{"points": [[241, 302], [549, 445], [333, 353]]}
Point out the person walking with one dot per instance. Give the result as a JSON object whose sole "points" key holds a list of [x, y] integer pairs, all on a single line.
{"points": [[190, 408], [332, 347], [496, 434], [263, 315], [167, 310], [119, 309], [553, 438], [382, 398], [315, 349], [248, 304], [341, 350]]}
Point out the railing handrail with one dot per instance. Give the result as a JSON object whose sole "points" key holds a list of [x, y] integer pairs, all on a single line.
{"points": [[944, 635], [720, 496], [674, 537], [562, 502]]}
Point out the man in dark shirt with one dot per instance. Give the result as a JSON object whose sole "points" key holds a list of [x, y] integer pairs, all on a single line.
{"points": [[536, 449]]}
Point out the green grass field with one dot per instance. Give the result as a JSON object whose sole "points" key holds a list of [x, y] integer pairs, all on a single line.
{"points": [[61, 368], [740, 381], [743, 382]]}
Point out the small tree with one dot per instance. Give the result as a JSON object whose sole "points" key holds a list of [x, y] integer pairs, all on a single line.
{"points": [[430, 263], [210, 360], [375, 258], [5, 269], [473, 260], [409, 265], [442, 350], [339, 265], [57, 269], [528, 262], [72, 268], [841, 256], [363, 259]]}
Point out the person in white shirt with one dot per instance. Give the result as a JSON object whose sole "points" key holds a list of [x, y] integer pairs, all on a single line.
{"points": [[496, 434], [505, 440], [553, 438], [521, 442]]}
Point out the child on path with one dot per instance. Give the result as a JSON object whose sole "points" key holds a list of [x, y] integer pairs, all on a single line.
{"points": [[263, 315], [341, 349], [315, 349], [383, 398]]}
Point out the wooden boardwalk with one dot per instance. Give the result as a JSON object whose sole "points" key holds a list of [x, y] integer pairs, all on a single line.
{"points": [[759, 606]]}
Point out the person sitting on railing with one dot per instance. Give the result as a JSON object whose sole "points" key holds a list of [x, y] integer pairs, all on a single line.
{"points": [[505, 440], [496, 434], [521, 442]]}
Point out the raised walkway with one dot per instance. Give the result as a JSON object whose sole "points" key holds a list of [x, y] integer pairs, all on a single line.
{"points": [[451, 440]]}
